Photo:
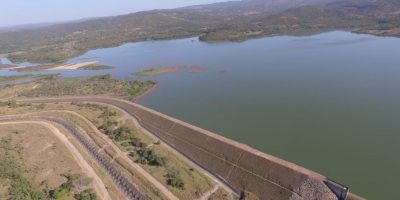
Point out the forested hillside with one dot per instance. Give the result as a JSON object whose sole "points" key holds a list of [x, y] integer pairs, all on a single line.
{"points": [[215, 22]]}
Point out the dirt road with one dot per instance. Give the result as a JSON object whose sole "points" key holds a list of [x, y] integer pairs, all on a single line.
{"points": [[87, 169], [208, 194]]}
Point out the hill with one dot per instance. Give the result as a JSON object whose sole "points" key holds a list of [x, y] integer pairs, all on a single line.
{"points": [[237, 20]]}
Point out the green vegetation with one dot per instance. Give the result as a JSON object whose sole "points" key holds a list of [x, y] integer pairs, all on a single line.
{"points": [[13, 104], [167, 167], [64, 190], [111, 128], [157, 71], [148, 72], [140, 87], [87, 194], [149, 157], [93, 112], [95, 67], [124, 136], [174, 181], [234, 21], [20, 186], [98, 85]]}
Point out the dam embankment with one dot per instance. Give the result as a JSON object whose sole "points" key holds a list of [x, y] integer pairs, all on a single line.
{"points": [[239, 166]]}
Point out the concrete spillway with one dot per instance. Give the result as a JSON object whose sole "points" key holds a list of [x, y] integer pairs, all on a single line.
{"points": [[240, 167]]}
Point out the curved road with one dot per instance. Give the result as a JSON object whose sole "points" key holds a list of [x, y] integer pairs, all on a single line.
{"points": [[83, 164], [123, 183]]}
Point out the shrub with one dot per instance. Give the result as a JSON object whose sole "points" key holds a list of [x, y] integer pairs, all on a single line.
{"points": [[122, 133], [88, 194], [137, 143], [108, 113], [64, 189], [41, 106], [147, 156], [12, 103], [174, 181], [104, 77]]}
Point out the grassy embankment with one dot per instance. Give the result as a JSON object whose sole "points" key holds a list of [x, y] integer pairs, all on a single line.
{"points": [[184, 180], [121, 165]]}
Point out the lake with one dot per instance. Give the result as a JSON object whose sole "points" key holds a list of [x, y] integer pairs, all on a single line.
{"points": [[328, 102]]}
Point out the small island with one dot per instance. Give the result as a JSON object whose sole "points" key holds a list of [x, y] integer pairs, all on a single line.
{"points": [[95, 66], [158, 71]]}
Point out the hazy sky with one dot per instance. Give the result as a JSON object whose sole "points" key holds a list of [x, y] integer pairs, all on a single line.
{"points": [[15, 12]]}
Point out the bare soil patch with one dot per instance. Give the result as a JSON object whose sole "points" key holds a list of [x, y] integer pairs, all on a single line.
{"points": [[72, 66]]}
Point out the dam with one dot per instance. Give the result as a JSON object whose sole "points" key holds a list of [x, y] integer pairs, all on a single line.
{"points": [[239, 166]]}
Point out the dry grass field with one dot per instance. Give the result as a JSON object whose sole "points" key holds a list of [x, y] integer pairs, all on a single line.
{"points": [[40, 158]]}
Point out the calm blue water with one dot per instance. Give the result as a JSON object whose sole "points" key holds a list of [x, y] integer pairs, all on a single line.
{"points": [[328, 102]]}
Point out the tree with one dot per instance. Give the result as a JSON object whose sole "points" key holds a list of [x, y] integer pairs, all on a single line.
{"points": [[12, 103], [64, 189], [148, 156], [88, 194], [174, 181]]}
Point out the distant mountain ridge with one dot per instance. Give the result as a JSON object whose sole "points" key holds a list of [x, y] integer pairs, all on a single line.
{"points": [[236, 20]]}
